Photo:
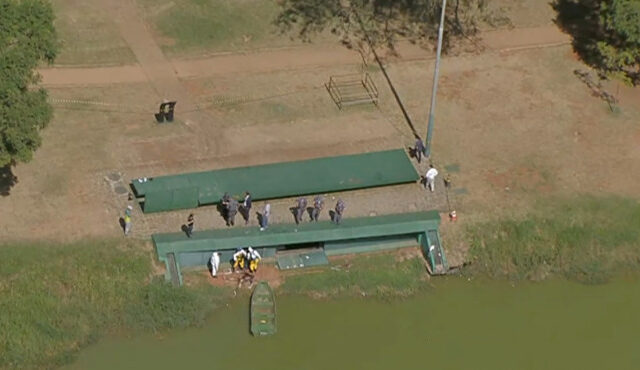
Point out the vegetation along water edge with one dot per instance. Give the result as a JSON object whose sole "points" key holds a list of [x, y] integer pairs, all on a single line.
{"points": [[58, 298]]}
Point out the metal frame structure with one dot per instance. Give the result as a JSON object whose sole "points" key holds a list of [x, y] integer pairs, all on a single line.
{"points": [[352, 89]]}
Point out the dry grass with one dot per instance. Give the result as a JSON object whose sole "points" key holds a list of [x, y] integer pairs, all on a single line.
{"points": [[88, 37]]}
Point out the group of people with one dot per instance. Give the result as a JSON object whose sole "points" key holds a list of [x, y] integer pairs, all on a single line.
{"points": [[245, 259], [231, 207], [318, 205]]}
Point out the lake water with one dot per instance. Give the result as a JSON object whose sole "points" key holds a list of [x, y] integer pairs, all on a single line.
{"points": [[457, 324]]}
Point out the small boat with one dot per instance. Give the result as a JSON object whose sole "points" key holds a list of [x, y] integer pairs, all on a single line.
{"points": [[263, 310]]}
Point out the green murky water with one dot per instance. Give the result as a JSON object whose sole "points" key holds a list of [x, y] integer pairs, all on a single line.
{"points": [[456, 325]]}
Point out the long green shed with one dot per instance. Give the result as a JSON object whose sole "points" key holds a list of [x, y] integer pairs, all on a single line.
{"points": [[276, 180], [353, 235]]}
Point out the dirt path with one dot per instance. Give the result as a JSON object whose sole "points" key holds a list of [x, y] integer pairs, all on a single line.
{"points": [[153, 65], [164, 74]]}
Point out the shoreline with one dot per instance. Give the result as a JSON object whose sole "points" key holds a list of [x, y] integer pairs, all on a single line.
{"points": [[82, 291]]}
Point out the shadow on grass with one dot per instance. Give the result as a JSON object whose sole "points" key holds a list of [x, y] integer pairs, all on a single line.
{"points": [[7, 180]]}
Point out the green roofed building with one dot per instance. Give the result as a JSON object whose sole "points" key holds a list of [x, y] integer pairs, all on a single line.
{"points": [[354, 235], [277, 180]]}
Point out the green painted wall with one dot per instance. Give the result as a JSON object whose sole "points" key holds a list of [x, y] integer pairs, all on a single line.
{"points": [[354, 235]]}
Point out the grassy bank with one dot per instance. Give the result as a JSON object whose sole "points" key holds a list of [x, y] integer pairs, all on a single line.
{"points": [[56, 299], [214, 25], [586, 239], [380, 275]]}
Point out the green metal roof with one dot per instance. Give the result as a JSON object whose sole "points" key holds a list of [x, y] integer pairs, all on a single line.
{"points": [[278, 180], [285, 234]]}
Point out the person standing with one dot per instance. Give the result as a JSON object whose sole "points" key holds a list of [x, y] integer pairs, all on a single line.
{"points": [[264, 220], [419, 149], [215, 264], [225, 199], [232, 210], [302, 206], [127, 220], [246, 207], [190, 223], [431, 177], [337, 218], [318, 203]]}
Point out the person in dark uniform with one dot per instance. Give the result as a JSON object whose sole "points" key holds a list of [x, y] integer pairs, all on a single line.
{"points": [[419, 149], [339, 210], [318, 204], [246, 207], [232, 210], [302, 206], [190, 223]]}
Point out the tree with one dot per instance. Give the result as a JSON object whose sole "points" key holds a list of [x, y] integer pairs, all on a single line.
{"points": [[384, 21], [27, 38], [620, 47]]}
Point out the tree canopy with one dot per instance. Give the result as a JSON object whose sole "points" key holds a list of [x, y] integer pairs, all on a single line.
{"points": [[620, 47], [27, 38], [384, 21]]}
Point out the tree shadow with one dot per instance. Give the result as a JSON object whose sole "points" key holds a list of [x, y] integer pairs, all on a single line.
{"points": [[7, 180], [581, 20], [387, 20]]}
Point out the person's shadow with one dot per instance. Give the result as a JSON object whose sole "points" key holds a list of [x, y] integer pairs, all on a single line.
{"points": [[310, 213], [260, 218], [294, 211], [412, 152], [332, 215], [423, 181], [222, 210], [245, 213], [121, 222], [185, 229]]}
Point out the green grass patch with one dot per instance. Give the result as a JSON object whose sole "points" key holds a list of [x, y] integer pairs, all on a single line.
{"points": [[56, 299], [214, 25], [379, 275], [586, 239]]}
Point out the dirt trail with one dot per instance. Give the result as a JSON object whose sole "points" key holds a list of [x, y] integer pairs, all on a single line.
{"points": [[164, 74], [153, 65]]}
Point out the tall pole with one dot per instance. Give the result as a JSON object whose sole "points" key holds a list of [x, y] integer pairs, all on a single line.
{"points": [[427, 149]]}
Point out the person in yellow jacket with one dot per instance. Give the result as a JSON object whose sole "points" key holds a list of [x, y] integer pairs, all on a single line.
{"points": [[254, 259], [239, 259], [127, 220]]}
